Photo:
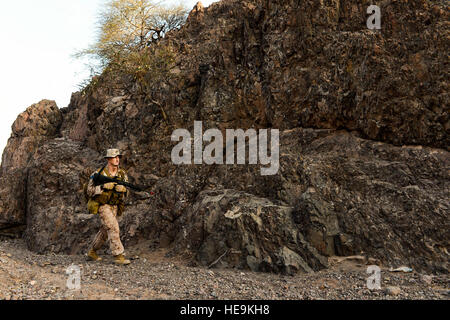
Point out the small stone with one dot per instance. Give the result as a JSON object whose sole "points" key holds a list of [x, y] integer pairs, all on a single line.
{"points": [[33, 282], [401, 269], [393, 291], [427, 279], [373, 261]]}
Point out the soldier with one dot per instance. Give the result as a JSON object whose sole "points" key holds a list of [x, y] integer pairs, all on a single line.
{"points": [[108, 200]]}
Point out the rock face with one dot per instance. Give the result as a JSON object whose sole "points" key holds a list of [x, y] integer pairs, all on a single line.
{"points": [[341, 194], [240, 230], [13, 198], [368, 197], [59, 224], [38, 124], [364, 136], [255, 62]]}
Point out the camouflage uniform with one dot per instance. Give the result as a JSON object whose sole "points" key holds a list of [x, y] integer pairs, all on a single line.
{"points": [[109, 212]]}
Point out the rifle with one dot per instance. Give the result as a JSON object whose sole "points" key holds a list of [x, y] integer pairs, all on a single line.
{"points": [[100, 179]]}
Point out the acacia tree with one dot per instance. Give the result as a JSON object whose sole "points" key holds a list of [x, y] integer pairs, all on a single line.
{"points": [[127, 27]]}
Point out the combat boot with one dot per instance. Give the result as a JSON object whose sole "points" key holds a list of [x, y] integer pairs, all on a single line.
{"points": [[120, 259], [92, 255]]}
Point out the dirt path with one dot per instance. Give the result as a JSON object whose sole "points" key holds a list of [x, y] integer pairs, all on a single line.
{"points": [[25, 275]]}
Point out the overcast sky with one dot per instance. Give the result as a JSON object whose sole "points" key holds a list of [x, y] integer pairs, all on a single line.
{"points": [[38, 39]]}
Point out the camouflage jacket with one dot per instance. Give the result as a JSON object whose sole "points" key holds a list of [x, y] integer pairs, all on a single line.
{"points": [[96, 191]]}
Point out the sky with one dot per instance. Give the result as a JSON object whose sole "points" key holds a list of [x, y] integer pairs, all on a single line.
{"points": [[38, 40]]}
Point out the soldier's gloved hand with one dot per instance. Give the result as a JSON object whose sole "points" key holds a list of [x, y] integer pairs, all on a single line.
{"points": [[121, 188], [109, 186]]}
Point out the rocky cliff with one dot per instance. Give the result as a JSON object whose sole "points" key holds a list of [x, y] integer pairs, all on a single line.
{"points": [[364, 141]]}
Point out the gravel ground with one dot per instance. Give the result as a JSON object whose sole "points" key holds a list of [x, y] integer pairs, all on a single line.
{"points": [[28, 276]]}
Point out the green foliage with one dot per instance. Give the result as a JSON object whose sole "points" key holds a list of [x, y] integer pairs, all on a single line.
{"points": [[129, 33]]}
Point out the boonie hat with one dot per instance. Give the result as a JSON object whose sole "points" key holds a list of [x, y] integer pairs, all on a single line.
{"points": [[112, 153]]}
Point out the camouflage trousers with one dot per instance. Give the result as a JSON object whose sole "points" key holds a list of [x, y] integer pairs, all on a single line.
{"points": [[109, 230]]}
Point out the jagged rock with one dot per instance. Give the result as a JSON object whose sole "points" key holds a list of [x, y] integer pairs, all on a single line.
{"points": [[57, 217], [196, 14], [389, 202], [36, 125], [13, 199], [75, 125], [253, 232], [350, 196], [288, 64], [39, 123]]}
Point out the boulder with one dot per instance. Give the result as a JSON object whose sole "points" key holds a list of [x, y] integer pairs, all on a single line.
{"points": [[57, 218], [39, 123], [33, 127], [234, 229]]}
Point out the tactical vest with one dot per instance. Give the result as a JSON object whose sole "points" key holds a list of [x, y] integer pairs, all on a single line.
{"points": [[110, 197]]}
